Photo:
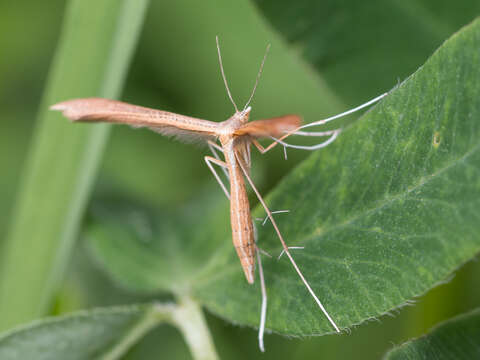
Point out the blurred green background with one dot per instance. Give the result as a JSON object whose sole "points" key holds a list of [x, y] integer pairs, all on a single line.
{"points": [[326, 56]]}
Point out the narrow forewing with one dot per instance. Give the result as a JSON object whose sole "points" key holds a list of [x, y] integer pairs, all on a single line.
{"points": [[112, 111]]}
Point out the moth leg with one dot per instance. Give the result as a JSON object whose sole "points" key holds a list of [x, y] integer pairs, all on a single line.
{"points": [[263, 288], [273, 212], [260, 147], [212, 146], [209, 160], [264, 252], [263, 312], [284, 245], [290, 248], [255, 235], [323, 144], [332, 133]]}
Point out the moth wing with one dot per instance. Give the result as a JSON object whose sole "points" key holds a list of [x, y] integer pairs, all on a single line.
{"points": [[182, 135], [112, 111], [275, 127]]}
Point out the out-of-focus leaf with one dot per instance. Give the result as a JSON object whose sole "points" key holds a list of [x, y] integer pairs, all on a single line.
{"points": [[97, 42], [83, 335], [457, 338], [106, 333], [361, 48], [385, 213], [148, 251], [191, 75]]}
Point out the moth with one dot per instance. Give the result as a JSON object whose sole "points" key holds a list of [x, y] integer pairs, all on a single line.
{"points": [[232, 137]]}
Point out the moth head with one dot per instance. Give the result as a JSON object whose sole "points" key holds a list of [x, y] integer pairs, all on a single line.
{"points": [[244, 115], [237, 120]]}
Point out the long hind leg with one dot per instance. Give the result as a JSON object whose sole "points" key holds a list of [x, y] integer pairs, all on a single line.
{"points": [[332, 133], [213, 147], [285, 247], [209, 160], [263, 313]]}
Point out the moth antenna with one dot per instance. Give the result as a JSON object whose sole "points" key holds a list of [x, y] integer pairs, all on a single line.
{"points": [[223, 75], [258, 77]]}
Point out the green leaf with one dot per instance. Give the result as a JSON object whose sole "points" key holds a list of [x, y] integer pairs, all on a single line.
{"points": [[385, 213], [82, 335], [147, 250], [456, 338], [361, 48], [106, 333], [63, 158]]}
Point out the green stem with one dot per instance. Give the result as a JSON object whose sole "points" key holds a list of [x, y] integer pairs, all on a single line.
{"points": [[187, 316], [189, 319], [155, 315]]}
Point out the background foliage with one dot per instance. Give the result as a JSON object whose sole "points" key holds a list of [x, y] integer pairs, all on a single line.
{"points": [[325, 56]]}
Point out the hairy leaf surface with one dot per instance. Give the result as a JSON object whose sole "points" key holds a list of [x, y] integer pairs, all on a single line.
{"points": [[83, 335], [385, 213]]}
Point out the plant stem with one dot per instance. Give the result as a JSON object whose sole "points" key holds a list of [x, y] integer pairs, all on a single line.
{"points": [[187, 316], [189, 319], [155, 315]]}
